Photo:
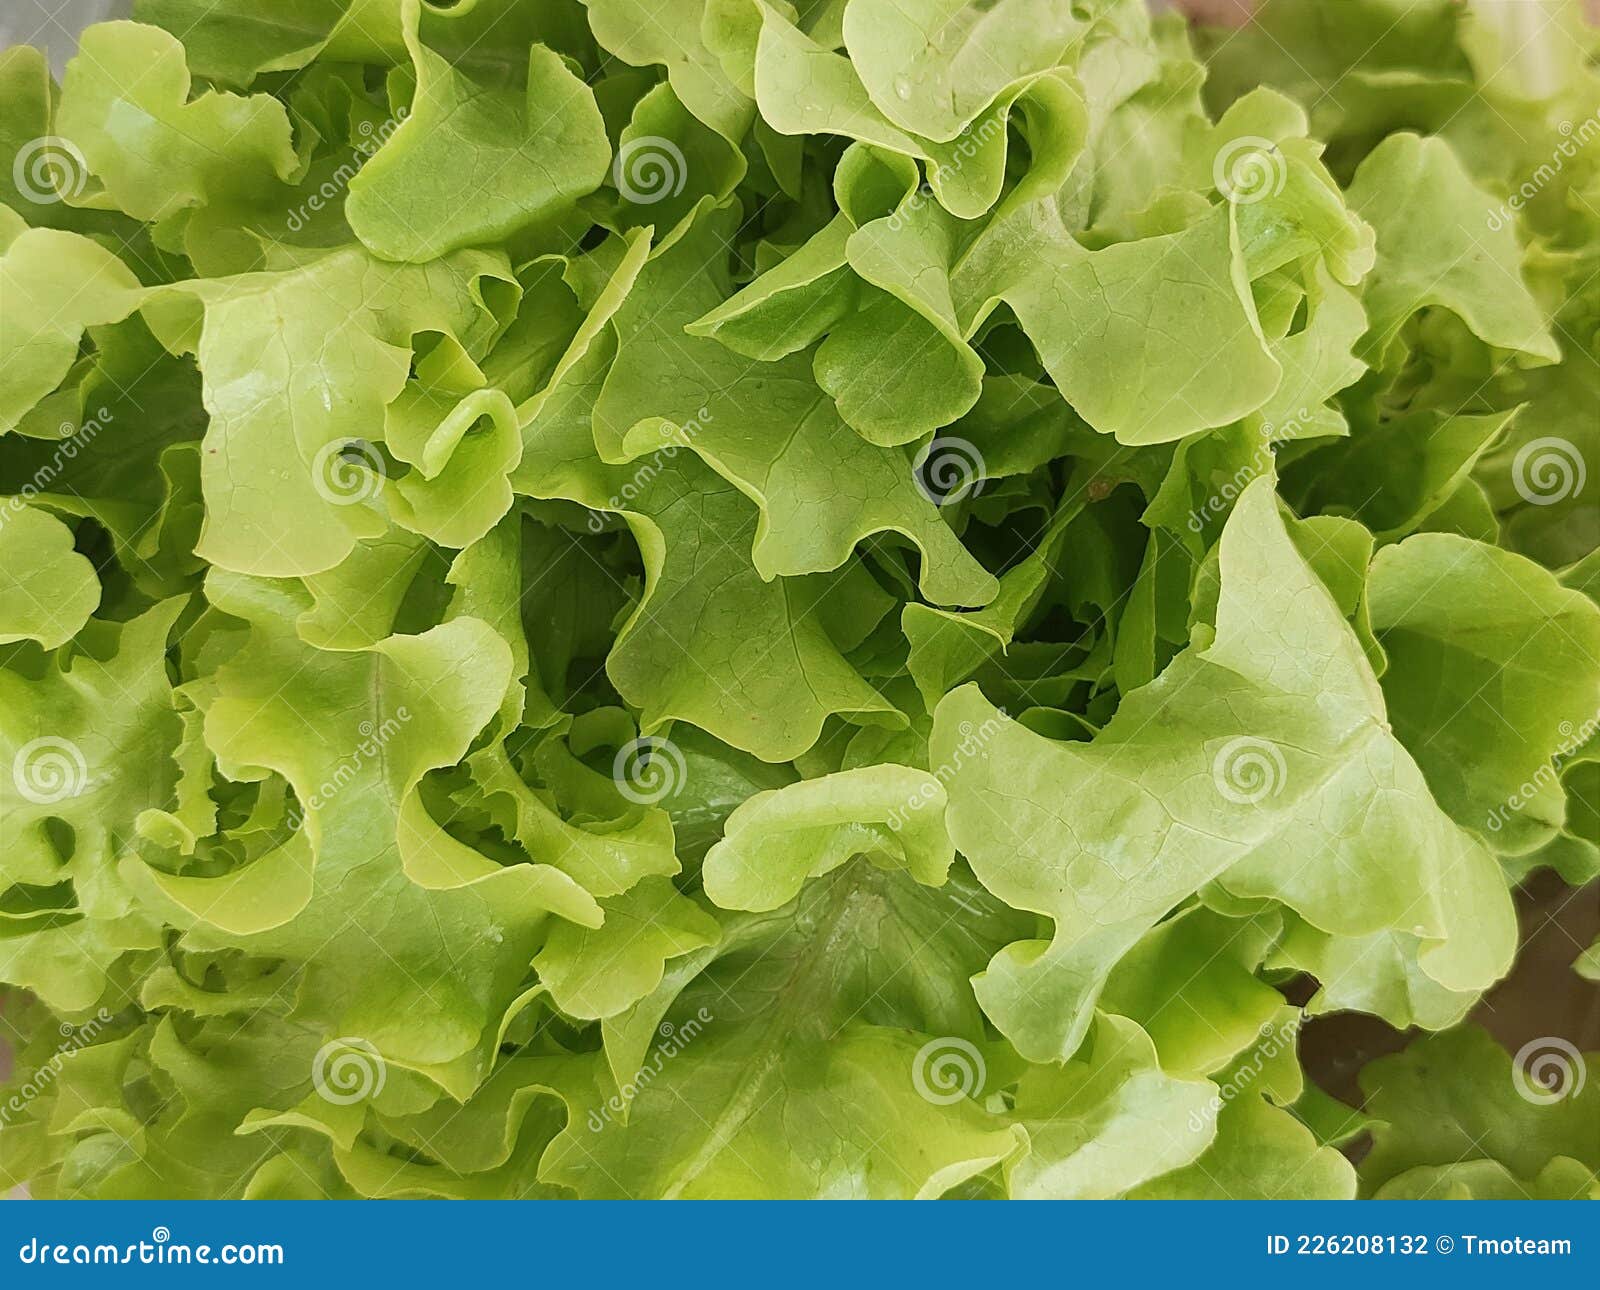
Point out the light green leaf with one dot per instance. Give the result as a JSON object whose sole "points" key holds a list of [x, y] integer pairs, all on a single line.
{"points": [[1494, 667], [474, 163], [601, 972], [47, 590], [1438, 245], [55, 285], [1274, 736], [126, 105], [778, 840]]}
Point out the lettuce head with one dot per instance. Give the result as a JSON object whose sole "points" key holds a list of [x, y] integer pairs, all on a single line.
{"points": [[726, 598]]}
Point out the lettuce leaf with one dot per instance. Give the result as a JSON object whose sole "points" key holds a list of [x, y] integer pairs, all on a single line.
{"points": [[729, 598]]}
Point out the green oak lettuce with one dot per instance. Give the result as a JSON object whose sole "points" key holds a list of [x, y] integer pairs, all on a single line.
{"points": [[888, 598]]}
